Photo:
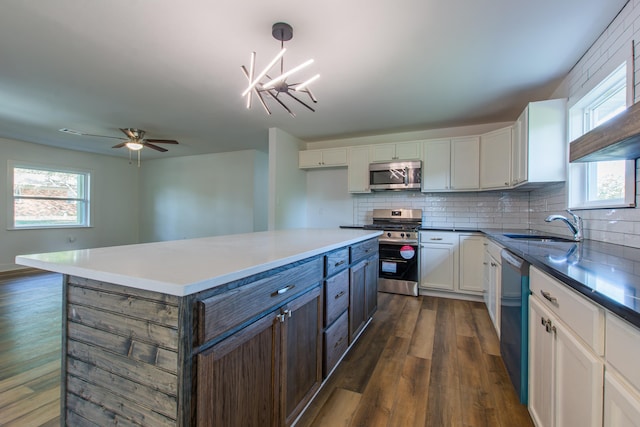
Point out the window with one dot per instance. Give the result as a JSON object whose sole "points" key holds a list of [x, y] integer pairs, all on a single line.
{"points": [[48, 198], [601, 184]]}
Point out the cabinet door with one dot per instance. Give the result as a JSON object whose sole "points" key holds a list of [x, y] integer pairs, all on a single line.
{"points": [[382, 152], [519, 149], [465, 163], [436, 165], [471, 259], [334, 157], [310, 159], [371, 287], [437, 265], [357, 295], [302, 352], [496, 291], [238, 380], [541, 366], [578, 382], [358, 170], [408, 150], [621, 403], [495, 159]]}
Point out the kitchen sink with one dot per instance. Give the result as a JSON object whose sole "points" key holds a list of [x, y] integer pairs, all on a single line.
{"points": [[537, 238]]}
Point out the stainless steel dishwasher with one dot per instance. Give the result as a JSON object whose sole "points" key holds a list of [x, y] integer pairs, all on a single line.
{"points": [[514, 321]]}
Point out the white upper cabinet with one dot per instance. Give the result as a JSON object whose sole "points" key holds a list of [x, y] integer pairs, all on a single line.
{"points": [[436, 165], [539, 144], [330, 157], [399, 151], [495, 159], [358, 169], [465, 167]]}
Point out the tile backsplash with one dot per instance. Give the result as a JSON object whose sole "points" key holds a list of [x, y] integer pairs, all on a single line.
{"points": [[506, 210], [451, 210]]}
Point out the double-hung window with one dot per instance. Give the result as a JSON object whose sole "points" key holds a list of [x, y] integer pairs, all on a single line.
{"points": [[47, 197], [606, 184]]}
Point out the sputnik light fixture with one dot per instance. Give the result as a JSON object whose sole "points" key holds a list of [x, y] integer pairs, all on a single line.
{"points": [[279, 85]]}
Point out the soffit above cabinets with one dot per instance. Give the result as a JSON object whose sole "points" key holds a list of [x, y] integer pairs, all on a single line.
{"points": [[617, 139]]}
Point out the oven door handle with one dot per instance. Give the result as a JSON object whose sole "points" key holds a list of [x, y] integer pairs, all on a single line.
{"points": [[393, 260]]}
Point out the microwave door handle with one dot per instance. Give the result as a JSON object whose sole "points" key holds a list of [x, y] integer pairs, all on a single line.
{"points": [[406, 176]]}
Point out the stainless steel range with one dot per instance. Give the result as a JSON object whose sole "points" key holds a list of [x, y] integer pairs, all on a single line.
{"points": [[399, 249]]}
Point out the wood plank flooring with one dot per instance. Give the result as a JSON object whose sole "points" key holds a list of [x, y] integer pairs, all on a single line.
{"points": [[421, 362], [30, 338]]}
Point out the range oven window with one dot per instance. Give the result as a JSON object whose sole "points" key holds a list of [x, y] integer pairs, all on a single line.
{"points": [[399, 261]]}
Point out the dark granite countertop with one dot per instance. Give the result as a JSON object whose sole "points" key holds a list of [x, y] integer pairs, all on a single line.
{"points": [[605, 273]]}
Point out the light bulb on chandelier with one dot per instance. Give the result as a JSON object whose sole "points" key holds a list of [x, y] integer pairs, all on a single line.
{"points": [[278, 85]]}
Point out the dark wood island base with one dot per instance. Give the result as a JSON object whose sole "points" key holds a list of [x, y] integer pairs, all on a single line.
{"points": [[252, 352]]}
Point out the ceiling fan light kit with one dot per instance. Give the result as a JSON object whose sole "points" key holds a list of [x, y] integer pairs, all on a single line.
{"points": [[274, 87]]}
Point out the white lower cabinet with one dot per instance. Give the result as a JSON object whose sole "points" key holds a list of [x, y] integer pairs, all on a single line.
{"points": [[492, 281], [437, 260], [471, 267], [452, 262], [621, 402], [566, 377]]}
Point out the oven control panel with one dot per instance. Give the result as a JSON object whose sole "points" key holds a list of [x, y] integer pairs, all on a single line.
{"points": [[400, 236]]}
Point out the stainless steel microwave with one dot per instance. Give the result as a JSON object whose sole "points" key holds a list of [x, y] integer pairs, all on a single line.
{"points": [[396, 175]]}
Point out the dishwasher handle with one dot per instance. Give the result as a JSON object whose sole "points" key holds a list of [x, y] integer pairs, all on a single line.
{"points": [[513, 261]]}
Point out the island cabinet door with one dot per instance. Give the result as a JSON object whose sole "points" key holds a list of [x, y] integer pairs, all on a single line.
{"points": [[357, 292], [237, 380], [301, 352], [371, 287]]}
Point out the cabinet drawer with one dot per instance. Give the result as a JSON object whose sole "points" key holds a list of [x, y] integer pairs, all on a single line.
{"points": [[623, 348], [336, 261], [583, 316], [336, 296], [336, 342], [221, 313], [363, 249], [439, 237]]}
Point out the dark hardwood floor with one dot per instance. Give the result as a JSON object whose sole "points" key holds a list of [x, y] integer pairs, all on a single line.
{"points": [[30, 338], [421, 362]]}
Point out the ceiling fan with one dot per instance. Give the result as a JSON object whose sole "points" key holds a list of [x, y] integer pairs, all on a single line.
{"points": [[134, 141]]}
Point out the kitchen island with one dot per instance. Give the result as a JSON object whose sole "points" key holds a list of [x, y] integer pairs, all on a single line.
{"points": [[227, 330]]}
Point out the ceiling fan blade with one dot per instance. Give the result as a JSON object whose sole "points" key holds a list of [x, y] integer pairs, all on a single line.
{"points": [[128, 132], [119, 145], [155, 147], [162, 141], [103, 136]]}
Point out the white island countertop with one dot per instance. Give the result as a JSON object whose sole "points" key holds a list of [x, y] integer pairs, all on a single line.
{"points": [[184, 267]]}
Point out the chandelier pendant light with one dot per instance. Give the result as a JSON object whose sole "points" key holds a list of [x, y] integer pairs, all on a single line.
{"points": [[278, 88]]}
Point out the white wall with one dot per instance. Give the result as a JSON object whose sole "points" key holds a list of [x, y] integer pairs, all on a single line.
{"points": [[114, 202], [204, 195], [329, 203], [287, 183], [620, 226]]}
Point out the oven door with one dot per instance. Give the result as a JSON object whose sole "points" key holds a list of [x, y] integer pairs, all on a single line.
{"points": [[398, 269]]}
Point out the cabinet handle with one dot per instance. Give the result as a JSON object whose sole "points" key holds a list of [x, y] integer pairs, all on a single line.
{"points": [[506, 183], [484, 263], [338, 342], [338, 264], [283, 290], [493, 264], [548, 297], [548, 325], [339, 295], [436, 238]]}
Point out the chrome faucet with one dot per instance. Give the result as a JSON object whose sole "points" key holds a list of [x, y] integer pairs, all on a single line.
{"points": [[575, 226]]}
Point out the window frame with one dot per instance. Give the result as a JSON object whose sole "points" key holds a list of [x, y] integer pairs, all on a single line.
{"points": [[580, 121], [85, 201]]}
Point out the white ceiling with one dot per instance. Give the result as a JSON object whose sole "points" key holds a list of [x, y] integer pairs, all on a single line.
{"points": [[172, 67]]}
